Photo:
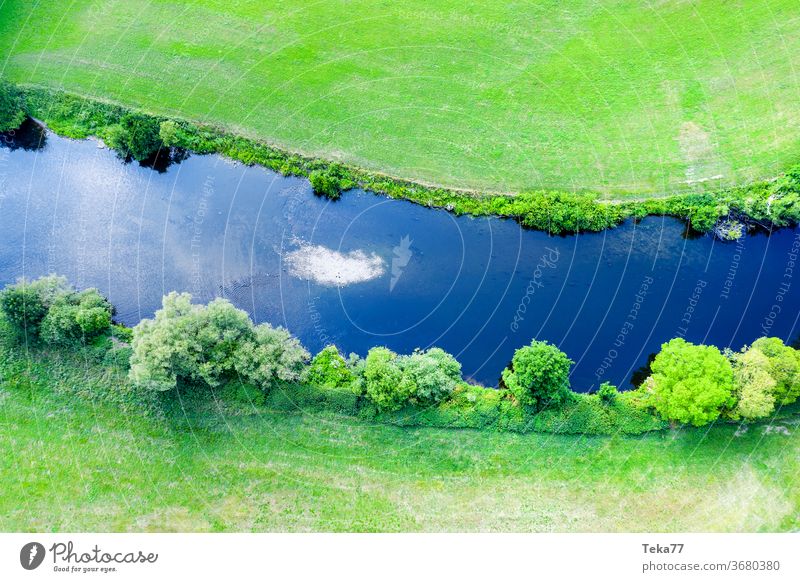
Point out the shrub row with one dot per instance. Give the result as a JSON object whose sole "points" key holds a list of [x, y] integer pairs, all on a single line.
{"points": [[216, 349], [138, 135]]}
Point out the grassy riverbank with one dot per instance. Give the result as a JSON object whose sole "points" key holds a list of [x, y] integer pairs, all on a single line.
{"points": [[78, 454], [613, 96]]}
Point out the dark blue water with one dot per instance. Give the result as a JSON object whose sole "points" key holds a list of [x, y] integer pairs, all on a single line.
{"points": [[477, 287]]}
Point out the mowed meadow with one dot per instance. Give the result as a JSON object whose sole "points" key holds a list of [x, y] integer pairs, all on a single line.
{"points": [[624, 97]]}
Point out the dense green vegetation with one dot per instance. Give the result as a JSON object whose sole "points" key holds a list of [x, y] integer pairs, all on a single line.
{"points": [[12, 106], [199, 348], [133, 134], [49, 309], [615, 96]]}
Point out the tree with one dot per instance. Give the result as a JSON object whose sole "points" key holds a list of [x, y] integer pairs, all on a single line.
{"points": [[691, 384], [188, 342], [209, 344], [51, 287], [12, 107], [26, 303], [754, 387], [74, 317], [329, 369], [271, 357], [23, 309], [386, 385], [783, 366], [325, 184], [136, 135], [434, 374], [538, 375]]}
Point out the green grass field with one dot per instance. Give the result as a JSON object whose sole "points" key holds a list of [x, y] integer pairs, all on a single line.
{"points": [[72, 463], [619, 96]]}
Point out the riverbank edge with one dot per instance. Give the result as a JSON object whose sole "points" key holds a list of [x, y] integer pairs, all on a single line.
{"points": [[729, 212]]}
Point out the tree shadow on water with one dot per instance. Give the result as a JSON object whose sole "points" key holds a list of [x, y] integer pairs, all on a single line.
{"points": [[643, 373], [30, 136], [163, 159]]}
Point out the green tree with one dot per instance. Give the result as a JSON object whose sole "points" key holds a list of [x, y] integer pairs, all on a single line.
{"points": [[434, 374], [209, 344], [23, 309], [386, 385], [74, 317], [538, 375], [26, 303], [784, 367], [754, 387], [329, 369], [188, 342], [272, 356], [325, 184], [12, 107], [691, 384], [137, 135]]}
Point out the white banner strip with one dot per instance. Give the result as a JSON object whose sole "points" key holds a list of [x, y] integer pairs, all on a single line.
{"points": [[356, 557]]}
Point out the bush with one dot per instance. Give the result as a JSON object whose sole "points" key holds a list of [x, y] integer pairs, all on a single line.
{"points": [[607, 393], [188, 342], [118, 357], [783, 364], [25, 304], [76, 317], [325, 184], [753, 386], [538, 375], [136, 135], [270, 357], [311, 398], [691, 384], [23, 308], [329, 369], [385, 384], [468, 407], [60, 325], [434, 374], [170, 133], [12, 107], [122, 334], [587, 414]]}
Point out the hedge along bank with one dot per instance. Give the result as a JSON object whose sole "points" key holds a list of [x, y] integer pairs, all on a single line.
{"points": [[217, 350], [726, 212]]}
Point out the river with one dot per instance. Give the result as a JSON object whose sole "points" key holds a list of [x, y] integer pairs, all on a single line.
{"points": [[365, 270]]}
